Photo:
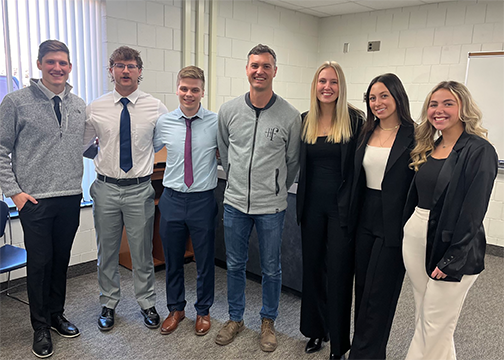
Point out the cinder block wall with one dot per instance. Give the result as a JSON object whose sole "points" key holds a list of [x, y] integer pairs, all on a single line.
{"points": [[422, 45]]}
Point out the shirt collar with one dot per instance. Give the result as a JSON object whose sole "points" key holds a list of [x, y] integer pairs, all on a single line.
{"points": [[199, 114], [133, 97], [48, 92]]}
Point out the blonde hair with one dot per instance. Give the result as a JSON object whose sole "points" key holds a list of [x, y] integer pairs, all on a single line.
{"points": [[469, 114], [341, 128], [191, 72]]}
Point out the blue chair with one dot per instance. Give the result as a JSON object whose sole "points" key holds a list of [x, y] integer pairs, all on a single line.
{"points": [[11, 257]]}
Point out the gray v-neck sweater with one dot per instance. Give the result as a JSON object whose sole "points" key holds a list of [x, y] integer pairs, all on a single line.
{"points": [[46, 157]]}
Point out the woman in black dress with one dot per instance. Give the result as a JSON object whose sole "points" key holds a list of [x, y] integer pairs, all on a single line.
{"points": [[329, 136], [382, 180]]}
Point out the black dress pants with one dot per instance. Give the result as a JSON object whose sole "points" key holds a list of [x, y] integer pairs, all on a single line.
{"points": [[49, 228], [379, 274], [328, 262]]}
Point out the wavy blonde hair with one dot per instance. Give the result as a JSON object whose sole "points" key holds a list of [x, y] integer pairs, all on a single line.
{"points": [[469, 114], [341, 128]]}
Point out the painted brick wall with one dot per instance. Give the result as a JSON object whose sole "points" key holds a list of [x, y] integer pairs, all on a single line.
{"points": [[494, 220], [154, 29], [293, 36], [422, 45]]}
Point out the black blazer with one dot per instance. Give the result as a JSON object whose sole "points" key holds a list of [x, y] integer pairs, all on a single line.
{"points": [[395, 184], [347, 156], [455, 235]]}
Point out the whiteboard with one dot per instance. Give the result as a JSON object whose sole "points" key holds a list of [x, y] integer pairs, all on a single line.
{"points": [[485, 80]]}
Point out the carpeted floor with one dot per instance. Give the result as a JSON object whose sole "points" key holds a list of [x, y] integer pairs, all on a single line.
{"points": [[479, 335]]}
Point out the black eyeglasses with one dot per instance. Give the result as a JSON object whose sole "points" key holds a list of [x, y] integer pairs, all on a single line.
{"points": [[121, 66]]}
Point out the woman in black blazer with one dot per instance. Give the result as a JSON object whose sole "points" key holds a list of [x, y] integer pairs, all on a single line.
{"points": [[444, 240], [329, 135], [382, 179]]}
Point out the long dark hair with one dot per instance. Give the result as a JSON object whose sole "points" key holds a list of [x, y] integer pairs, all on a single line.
{"points": [[396, 89]]}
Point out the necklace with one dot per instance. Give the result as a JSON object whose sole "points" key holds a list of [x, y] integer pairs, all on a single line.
{"points": [[444, 146], [325, 130], [389, 129], [388, 138]]}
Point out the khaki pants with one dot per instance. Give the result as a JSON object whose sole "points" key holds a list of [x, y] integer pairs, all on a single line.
{"points": [[437, 303]]}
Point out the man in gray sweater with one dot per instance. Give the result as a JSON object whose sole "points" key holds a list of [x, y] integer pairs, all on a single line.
{"points": [[259, 140], [42, 127]]}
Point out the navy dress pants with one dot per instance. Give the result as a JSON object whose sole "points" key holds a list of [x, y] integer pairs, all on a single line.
{"points": [[184, 214]]}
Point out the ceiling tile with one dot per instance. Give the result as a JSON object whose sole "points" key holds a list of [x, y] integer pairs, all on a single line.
{"points": [[340, 9], [438, 1], [282, 4], [380, 5], [313, 12], [310, 4], [324, 8]]}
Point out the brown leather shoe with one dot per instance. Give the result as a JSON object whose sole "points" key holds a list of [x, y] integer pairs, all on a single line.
{"points": [[202, 326], [171, 322]]}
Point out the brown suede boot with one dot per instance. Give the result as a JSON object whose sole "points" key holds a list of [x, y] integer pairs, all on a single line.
{"points": [[268, 336]]}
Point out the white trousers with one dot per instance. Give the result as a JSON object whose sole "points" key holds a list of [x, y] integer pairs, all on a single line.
{"points": [[437, 303]]}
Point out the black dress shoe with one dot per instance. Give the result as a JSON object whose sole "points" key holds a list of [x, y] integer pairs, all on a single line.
{"points": [[64, 327], [337, 357], [151, 317], [42, 344], [106, 319], [315, 344]]}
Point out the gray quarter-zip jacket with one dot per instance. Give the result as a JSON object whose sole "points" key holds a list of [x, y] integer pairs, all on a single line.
{"points": [[46, 157], [259, 151]]}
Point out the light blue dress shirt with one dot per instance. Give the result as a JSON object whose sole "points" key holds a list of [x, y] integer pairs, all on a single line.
{"points": [[171, 132]]}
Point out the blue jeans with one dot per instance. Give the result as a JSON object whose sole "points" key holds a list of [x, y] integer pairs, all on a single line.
{"points": [[237, 229]]}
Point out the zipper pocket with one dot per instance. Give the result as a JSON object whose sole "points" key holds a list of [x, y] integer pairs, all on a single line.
{"points": [[277, 187]]}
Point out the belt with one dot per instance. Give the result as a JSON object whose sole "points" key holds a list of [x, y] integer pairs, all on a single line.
{"points": [[123, 182]]}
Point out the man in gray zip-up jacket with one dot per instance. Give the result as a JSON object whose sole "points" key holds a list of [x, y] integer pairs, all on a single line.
{"points": [[42, 127], [259, 140]]}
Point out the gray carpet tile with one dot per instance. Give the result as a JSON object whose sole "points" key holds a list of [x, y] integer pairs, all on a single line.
{"points": [[479, 335]]}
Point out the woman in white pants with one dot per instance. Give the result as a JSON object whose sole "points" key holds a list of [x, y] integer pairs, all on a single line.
{"points": [[444, 240]]}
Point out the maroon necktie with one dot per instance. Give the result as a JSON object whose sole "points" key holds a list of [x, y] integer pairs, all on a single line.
{"points": [[188, 169]]}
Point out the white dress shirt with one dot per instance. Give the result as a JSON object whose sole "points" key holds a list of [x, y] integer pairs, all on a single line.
{"points": [[103, 121], [51, 95]]}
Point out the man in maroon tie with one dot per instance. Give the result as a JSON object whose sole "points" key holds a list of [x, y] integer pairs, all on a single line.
{"points": [[188, 204]]}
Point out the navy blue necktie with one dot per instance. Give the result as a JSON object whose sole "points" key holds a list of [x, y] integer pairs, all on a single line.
{"points": [[126, 161], [57, 110]]}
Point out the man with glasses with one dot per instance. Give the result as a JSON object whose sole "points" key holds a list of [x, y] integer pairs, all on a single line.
{"points": [[123, 121], [41, 127]]}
